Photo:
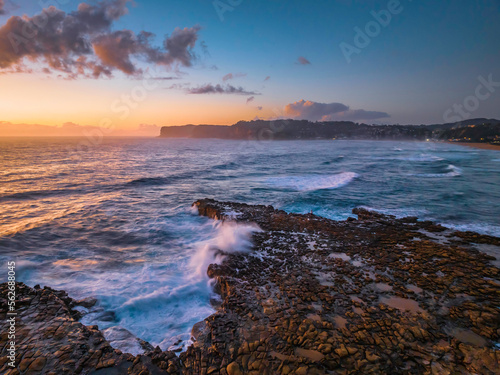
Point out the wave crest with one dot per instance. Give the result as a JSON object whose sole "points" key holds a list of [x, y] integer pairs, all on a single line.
{"points": [[230, 238], [310, 183], [422, 158], [453, 171]]}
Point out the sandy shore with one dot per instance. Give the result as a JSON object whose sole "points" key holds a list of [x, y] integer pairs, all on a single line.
{"points": [[483, 146]]}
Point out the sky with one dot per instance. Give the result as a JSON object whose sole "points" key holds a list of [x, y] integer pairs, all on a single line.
{"points": [[134, 66]]}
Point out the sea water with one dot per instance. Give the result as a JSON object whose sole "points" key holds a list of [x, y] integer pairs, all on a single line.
{"points": [[114, 221]]}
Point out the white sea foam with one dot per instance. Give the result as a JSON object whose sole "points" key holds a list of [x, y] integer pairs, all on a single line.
{"points": [[483, 228], [178, 298], [342, 256], [230, 237], [123, 340], [422, 158], [140, 254], [193, 210], [165, 310], [453, 171], [314, 182], [233, 214]]}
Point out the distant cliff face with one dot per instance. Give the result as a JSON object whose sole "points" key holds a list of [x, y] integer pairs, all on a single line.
{"points": [[479, 130]]}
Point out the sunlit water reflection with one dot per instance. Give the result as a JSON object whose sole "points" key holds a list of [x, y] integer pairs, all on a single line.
{"points": [[115, 223]]}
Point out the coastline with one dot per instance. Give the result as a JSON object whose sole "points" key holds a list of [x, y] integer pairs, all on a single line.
{"points": [[482, 146], [372, 294]]}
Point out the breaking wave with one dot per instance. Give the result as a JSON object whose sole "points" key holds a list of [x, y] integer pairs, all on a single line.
{"points": [[310, 183], [422, 158], [452, 171], [180, 299], [121, 228], [230, 238]]}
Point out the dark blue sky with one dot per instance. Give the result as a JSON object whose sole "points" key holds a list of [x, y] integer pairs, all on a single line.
{"points": [[427, 58]]}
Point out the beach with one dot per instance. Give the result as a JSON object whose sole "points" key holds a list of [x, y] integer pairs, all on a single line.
{"points": [[482, 146]]}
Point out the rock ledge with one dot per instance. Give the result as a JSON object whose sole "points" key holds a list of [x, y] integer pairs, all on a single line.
{"points": [[374, 294]]}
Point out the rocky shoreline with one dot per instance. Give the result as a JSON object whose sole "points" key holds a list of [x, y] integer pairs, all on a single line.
{"points": [[374, 294]]}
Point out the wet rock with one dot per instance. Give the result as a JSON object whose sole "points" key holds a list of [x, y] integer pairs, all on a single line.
{"points": [[303, 301], [86, 302], [234, 369], [51, 341], [296, 271]]}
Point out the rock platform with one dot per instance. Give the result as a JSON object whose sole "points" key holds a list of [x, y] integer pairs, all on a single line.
{"points": [[372, 294]]}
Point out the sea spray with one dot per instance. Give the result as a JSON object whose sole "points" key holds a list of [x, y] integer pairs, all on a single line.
{"points": [[182, 299], [137, 229], [230, 237]]}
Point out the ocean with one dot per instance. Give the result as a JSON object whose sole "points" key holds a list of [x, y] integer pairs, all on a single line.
{"points": [[114, 220]]}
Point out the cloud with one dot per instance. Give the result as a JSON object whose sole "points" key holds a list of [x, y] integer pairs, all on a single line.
{"points": [[116, 49], [250, 99], [2, 5], [204, 48], [82, 42], [218, 89], [178, 46], [229, 76], [162, 78], [303, 61], [313, 111]]}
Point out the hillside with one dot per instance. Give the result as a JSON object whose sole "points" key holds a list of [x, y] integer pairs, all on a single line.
{"points": [[476, 130]]}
